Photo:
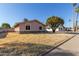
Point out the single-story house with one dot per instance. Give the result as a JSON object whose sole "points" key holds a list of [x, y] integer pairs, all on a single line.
{"points": [[48, 28], [29, 26], [60, 28]]}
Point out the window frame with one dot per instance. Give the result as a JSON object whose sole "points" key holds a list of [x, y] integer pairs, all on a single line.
{"points": [[27, 27], [40, 27]]}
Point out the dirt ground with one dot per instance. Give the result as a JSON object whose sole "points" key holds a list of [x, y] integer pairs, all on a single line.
{"points": [[29, 44]]}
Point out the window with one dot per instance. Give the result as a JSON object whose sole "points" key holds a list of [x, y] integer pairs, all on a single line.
{"points": [[40, 28], [27, 27]]}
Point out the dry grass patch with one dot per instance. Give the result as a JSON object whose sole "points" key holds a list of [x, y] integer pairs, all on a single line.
{"points": [[30, 44]]}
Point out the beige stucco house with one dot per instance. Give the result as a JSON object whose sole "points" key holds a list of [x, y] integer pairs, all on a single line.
{"points": [[30, 26]]}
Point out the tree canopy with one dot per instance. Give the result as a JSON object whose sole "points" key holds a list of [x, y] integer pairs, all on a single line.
{"points": [[54, 22], [5, 25], [77, 9]]}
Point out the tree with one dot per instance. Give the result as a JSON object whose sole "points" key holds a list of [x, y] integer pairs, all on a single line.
{"points": [[6, 25], [77, 12], [54, 22], [74, 20], [15, 25]]}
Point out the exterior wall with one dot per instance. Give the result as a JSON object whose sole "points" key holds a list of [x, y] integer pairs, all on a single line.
{"points": [[57, 29], [60, 29], [49, 30], [34, 26], [17, 29]]}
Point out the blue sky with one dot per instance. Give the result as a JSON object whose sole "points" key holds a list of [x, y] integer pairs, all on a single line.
{"points": [[12, 13]]}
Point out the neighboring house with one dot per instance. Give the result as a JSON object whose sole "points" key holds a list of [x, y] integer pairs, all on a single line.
{"points": [[6, 30], [48, 28], [59, 28], [69, 29], [29, 26]]}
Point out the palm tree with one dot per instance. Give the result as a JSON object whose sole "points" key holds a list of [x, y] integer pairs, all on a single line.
{"points": [[77, 12], [74, 20]]}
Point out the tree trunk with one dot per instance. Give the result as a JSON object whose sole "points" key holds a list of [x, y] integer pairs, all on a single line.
{"points": [[53, 31]]}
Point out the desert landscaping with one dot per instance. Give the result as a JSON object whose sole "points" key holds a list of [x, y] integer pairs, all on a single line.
{"points": [[38, 30], [29, 44]]}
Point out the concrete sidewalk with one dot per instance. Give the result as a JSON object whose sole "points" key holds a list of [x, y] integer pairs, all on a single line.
{"points": [[70, 48]]}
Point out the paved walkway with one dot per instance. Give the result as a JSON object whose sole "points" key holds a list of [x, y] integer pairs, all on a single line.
{"points": [[70, 48]]}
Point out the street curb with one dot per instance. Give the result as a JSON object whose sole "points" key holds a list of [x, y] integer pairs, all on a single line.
{"points": [[57, 45]]}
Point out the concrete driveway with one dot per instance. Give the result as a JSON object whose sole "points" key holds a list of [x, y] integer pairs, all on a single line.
{"points": [[70, 48]]}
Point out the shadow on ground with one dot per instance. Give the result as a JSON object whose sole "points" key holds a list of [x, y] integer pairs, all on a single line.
{"points": [[3, 34], [30, 49], [60, 52], [23, 49]]}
